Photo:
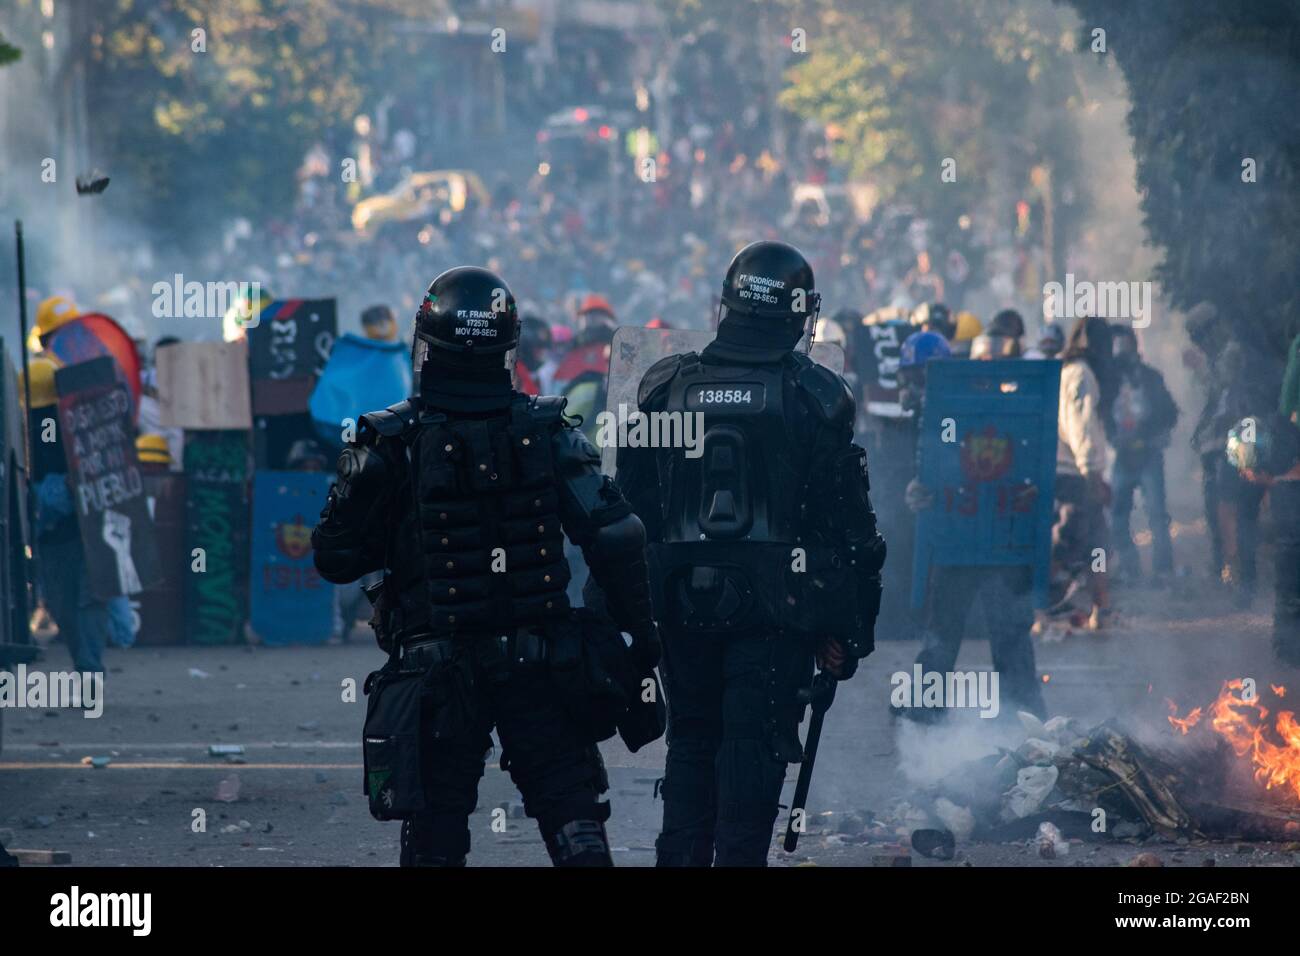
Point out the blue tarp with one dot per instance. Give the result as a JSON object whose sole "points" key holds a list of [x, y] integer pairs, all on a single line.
{"points": [[362, 375], [988, 432]]}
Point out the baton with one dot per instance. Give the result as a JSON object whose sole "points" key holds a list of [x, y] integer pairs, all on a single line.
{"points": [[821, 695]]}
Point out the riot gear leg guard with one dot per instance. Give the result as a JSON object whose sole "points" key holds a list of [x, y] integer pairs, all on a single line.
{"points": [[580, 843], [434, 840], [759, 738], [692, 674]]}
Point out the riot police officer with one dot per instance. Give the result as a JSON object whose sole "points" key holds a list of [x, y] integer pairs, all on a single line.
{"points": [[463, 495], [764, 555]]}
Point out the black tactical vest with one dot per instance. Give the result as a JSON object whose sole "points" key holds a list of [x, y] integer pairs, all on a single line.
{"points": [[732, 517], [488, 518]]}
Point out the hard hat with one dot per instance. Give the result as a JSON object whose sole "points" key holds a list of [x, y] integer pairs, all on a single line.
{"points": [[152, 449], [54, 312], [968, 326], [595, 302], [922, 347], [42, 371]]}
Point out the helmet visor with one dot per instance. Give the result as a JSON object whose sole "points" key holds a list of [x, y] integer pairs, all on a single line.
{"points": [[419, 352]]}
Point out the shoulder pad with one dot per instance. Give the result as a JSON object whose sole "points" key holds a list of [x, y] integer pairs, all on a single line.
{"points": [[829, 392], [657, 376], [547, 408], [387, 423], [572, 449]]}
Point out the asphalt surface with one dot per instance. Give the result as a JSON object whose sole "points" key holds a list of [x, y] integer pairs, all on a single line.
{"points": [[293, 798]]}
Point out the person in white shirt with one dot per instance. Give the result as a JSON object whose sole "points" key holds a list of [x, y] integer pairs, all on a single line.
{"points": [[1080, 537]]}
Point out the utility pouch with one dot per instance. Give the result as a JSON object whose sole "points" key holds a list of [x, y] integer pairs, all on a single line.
{"points": [[585, 657], [392, 751]]}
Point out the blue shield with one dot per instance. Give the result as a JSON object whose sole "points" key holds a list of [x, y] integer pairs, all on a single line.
{"points": [[289, 601], [987, 451]]}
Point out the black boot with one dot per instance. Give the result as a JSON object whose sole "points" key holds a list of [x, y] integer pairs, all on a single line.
{"points": [[698, 852]]}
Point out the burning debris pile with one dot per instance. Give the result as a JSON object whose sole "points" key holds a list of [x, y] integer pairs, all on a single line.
{"points": [[1229, 771]]}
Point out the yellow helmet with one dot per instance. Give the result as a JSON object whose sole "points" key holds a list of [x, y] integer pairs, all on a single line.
{"points": [[968, 326], [153, 449], [42, 370], [54, 312]]}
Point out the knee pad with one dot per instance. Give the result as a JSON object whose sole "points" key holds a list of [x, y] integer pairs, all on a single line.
{"points": [[579, 843], [565, 791]]}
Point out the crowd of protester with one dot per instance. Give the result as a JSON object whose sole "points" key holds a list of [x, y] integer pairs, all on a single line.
{"points": [[597, 238]]}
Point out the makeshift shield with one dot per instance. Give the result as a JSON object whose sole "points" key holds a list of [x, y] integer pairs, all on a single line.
{"points": [[107, 488], [987, 452], [289, 601]]}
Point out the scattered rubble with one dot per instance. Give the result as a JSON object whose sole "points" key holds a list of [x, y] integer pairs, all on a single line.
{"points": [[936, 844], [1052, 845], [228, 789], [1066, 782]]}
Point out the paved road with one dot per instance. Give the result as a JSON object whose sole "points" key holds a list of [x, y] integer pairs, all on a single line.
{"points": [[296, 800]]}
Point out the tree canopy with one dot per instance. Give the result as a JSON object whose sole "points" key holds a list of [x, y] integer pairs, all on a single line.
{"points": [[1216, 134], [906, 86]]}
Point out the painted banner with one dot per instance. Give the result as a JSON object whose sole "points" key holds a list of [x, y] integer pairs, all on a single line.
{"points": [[96, 411], [289, 601], [876, 352], [987, 452], [288, 350], [216, 524]]}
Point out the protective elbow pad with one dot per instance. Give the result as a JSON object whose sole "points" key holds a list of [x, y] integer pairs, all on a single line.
{"points": [[621, 539], [336, 564], [616, 555]]}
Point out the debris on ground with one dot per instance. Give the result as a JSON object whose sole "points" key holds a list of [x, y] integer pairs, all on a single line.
{"points": [[936, 844]]}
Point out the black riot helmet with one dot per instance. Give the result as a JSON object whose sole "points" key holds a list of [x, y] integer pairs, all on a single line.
{"points": [[468, 317], [769, 286]]}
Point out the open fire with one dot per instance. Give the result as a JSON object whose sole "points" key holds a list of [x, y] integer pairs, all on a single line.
{"points": [[1269, 737]]}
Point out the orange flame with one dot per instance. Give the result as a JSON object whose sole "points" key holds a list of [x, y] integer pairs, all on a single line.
{"points": [[1183, 724], [1274, 748]]}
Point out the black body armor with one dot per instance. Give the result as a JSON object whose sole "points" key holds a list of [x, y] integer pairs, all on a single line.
{"points": [[771, 526], [467, 514], [488, 503]]}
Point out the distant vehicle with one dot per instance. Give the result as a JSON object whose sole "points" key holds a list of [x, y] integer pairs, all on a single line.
{"points": [[438, 196], [579, 142]]}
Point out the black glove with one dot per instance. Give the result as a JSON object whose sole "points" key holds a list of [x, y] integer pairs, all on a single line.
{"points": [[646, 647]]}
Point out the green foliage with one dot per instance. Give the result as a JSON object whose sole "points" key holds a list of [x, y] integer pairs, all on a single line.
{"points": [[1213, 85], [984, 82], [206, 135], [8, 52]]}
